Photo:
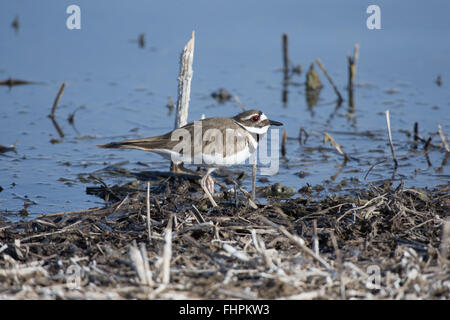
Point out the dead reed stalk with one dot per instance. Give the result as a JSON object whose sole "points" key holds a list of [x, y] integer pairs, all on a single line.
{"points": [[56, 102], [184, 83], [336, 90], [167, 252], [443, 138], [388, 122], [352, 66], [184, 87], [283, 143], [149, 223], [254, 170], [285, 57], [351, 74]]}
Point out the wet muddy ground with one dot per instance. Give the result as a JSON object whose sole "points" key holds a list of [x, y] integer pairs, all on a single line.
{"points": [[386, 242]]}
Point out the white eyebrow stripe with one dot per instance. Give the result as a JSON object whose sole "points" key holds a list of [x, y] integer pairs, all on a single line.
{"points": [[263, 117], [250, 116]]}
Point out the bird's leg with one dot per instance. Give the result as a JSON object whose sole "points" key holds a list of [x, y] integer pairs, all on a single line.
{"points": [[210, 184], [206, 190], [177, 168]]}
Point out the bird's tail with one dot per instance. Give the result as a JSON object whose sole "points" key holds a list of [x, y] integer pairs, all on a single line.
{"points": [[143, 144]]}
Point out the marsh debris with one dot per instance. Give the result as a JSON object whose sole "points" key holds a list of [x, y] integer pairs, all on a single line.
{"points": [[11, 148], [10, 82], [222, 95], [196, 251], [313, 87], [439, 80], [16, 24]]}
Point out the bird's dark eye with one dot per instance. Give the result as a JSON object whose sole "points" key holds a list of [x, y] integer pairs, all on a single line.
{"points": [[255, 118]]}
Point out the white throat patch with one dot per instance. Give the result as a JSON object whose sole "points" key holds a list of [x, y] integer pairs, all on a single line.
{"points": [[262, 130]]}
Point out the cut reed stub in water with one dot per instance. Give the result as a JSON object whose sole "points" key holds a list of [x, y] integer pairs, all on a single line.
{"points": [[416, 134], [285, 57], [388, 122], [283, 143], [443, 138], [351, 75], [352, 66]]}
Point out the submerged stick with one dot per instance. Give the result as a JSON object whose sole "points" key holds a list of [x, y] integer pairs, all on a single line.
{"points": [[56, 102], [336, 90], [388, 122]]}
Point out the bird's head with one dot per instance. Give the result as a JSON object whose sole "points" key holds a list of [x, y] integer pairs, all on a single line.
{"points": [[255, 121]]}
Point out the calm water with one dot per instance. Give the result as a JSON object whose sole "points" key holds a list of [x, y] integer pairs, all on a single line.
{"points": [[121, 90]]}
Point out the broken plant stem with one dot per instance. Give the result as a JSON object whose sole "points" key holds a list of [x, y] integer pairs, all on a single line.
{"points": [[443, 138], [184, 87], [388, 122], [149, 224], [55, 104], [336, 90]]}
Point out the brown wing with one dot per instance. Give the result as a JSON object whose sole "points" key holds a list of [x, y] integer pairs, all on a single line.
{"points": [[165, 141]]}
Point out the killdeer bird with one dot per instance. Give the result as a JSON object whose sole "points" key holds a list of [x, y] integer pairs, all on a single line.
{"points": [[210, 143]]}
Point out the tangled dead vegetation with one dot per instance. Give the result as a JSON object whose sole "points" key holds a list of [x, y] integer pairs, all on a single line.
{"points": [[382, 243]]}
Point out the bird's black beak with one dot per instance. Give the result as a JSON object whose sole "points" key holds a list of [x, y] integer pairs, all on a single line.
{"points": [[275, 123]]}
